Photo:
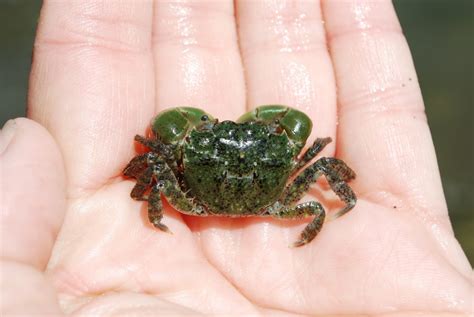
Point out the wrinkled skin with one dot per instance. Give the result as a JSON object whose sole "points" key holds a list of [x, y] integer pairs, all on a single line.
{"points": [[71, 238]]}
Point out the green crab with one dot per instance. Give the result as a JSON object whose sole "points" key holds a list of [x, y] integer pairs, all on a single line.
{"points": [[206, 167]]}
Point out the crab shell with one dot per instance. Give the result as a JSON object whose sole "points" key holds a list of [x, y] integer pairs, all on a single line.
{"points": [[234, 168]]}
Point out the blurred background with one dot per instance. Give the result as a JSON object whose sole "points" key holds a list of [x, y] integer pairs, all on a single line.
{"points": [[441, 37]]}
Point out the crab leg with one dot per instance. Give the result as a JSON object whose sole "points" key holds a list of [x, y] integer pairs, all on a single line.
{"points": [[138, 168], [164, 150], [150, 167], [311, 153], [156, 145], [167, 184], [155, 209], [306, 209], [337, 174]]}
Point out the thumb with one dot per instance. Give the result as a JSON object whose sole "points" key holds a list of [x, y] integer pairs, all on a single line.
{"points": [[32, 205]]}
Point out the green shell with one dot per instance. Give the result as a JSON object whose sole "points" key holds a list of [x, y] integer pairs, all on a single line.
{"points": [[172, 125], [296, 123], [237, 168]]}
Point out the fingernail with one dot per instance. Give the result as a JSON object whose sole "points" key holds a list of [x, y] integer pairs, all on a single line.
{"points": [[6, 134]]}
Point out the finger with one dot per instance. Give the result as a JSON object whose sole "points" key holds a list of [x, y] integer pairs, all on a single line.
{"points": [[32, 209], [33, 197], [286, 59], [197, 59], [92, 83], [382, 131]]}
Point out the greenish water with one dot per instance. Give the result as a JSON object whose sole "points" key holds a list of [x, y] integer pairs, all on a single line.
{"points": [[440, 34]]}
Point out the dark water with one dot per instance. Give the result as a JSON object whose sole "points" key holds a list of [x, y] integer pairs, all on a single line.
{"points": [[441, 38], [440, 33]]}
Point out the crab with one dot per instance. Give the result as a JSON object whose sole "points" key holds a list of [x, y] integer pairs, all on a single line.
{"points": [[205, 167]]}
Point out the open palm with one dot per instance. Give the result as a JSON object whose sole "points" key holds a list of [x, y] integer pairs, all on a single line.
{"points": [[101, 72]]}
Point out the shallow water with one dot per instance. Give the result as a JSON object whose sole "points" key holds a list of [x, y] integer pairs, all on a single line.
{"points": [[440, 34]]}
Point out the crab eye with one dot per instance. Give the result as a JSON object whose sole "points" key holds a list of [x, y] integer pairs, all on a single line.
{"points": [[160, 184]]}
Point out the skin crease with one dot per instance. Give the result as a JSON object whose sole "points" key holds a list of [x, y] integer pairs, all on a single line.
{"points": [[101, 70]]}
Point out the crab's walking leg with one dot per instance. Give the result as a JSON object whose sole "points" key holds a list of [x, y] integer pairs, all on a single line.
{"points": [[138, 169], [167, 184], [141, 168], [155, 209], [157, 146], [310, 208], [311, 153], [337, 173], [136, 166]]}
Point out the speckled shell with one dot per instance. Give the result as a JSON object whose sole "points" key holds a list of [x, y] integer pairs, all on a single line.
{"points": [[237, 168]]}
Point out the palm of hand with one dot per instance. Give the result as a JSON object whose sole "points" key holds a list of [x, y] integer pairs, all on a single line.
{"points": [[213, 265], [393, 252]]}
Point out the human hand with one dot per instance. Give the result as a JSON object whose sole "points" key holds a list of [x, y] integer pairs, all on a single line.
{"points": [[101, 72]]}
